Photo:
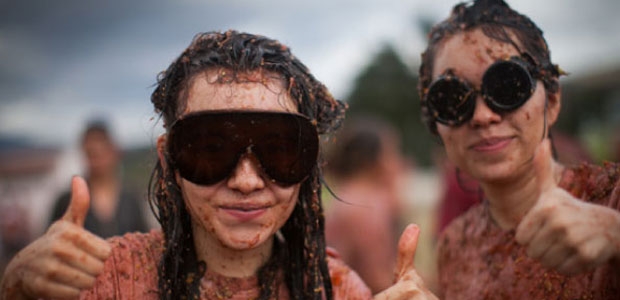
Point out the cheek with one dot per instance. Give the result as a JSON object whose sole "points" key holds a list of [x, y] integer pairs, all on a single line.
{"points": [[195, 204], [532, 116], [455, 145], [449, 137], [287, 201]]}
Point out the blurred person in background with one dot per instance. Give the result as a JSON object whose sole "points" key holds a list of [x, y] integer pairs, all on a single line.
{"points": [[367, 169], [114, 209], [543, 230]]}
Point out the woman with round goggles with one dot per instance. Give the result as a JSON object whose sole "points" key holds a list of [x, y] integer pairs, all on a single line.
{"points": [[543, 230], [236, 191]]}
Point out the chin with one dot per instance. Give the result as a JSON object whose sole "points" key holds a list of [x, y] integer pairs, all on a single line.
{"points": [[492, 172], [246, 240]]}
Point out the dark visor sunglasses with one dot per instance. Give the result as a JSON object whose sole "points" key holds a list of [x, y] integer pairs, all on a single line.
{"points": [[506, 85], [206, 146]]}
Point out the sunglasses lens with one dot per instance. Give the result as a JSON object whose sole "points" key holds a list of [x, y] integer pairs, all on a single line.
{"points": [[507, 85], [288, 154], [450, 101], [201, 155], [205, 147]]}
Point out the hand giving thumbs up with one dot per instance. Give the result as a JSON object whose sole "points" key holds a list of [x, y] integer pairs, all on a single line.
{"points": [[562, 232], [65, 260], [409, 285]]}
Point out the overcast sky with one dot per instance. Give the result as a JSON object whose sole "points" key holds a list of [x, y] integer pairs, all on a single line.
{"points": [[65, 61]]}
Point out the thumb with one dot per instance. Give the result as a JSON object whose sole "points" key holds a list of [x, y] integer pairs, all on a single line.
{"points": [[80, 201], [543, 166], [406, 250]]}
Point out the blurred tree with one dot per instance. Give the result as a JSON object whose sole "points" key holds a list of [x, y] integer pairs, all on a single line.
{"points": [[591, 111], [388, 88], [138, 164]]}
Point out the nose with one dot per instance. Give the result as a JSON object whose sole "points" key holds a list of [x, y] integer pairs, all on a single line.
{"points": [[247, 175], [483, 115]]}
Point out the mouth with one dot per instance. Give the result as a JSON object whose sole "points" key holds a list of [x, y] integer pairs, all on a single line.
{"points": [[245, 213], [491, 144]]}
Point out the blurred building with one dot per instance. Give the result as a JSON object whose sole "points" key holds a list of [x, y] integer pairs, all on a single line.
{"points": [[30, 176]]}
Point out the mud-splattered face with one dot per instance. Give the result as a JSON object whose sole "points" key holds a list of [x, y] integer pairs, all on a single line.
{"points": [[245, 210], [491, 146]]}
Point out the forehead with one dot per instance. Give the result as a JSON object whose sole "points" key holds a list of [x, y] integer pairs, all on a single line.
{"points": [[217, 90], [470, 53]]}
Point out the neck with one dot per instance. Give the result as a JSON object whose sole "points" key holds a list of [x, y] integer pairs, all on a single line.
{"points": [[509, 200], [508, 203], [226, 261]]}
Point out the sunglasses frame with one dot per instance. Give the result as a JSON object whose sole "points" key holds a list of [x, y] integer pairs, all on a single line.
{"points": [[284, 170], [468, 98]]}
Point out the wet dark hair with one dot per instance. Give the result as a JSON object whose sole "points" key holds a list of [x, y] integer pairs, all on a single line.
{"points": [[301, 253], [497, 21], [97, 126]]}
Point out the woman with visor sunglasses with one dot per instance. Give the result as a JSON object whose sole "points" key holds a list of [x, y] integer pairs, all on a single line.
{"points": [[236, 190], [542, 230]]}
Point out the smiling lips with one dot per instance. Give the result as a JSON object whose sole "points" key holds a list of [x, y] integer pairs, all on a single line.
{"points": [[245, 213], [491, 144]]}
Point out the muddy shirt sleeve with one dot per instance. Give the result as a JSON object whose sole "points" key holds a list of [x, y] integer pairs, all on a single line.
{"points": [[595, 184], [614, 175], [345, 282], [131, 271]]}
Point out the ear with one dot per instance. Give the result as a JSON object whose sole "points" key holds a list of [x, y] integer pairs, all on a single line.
{"points": [[162, 143], [554, 103]]}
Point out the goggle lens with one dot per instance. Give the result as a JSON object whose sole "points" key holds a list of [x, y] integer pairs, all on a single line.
{"points": [[506, 86], [450, 100], [205, 147]]}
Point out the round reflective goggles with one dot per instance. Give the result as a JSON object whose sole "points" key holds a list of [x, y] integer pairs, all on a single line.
{"points": [[506, 85]]}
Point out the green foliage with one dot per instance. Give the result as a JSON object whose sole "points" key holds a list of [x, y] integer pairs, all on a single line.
{"points": [[387, 88], [137, 165], [591, 114]]}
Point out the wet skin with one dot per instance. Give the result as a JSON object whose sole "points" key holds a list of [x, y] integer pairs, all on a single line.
{"points": [[491, 147], [511, 157], [235, 220]]}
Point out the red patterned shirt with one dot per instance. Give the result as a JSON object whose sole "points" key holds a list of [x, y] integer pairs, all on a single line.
{"points": [[479, 260], [131, 273]]}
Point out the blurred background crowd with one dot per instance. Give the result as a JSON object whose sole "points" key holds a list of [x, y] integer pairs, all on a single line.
{"points": [[66, 63]]}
